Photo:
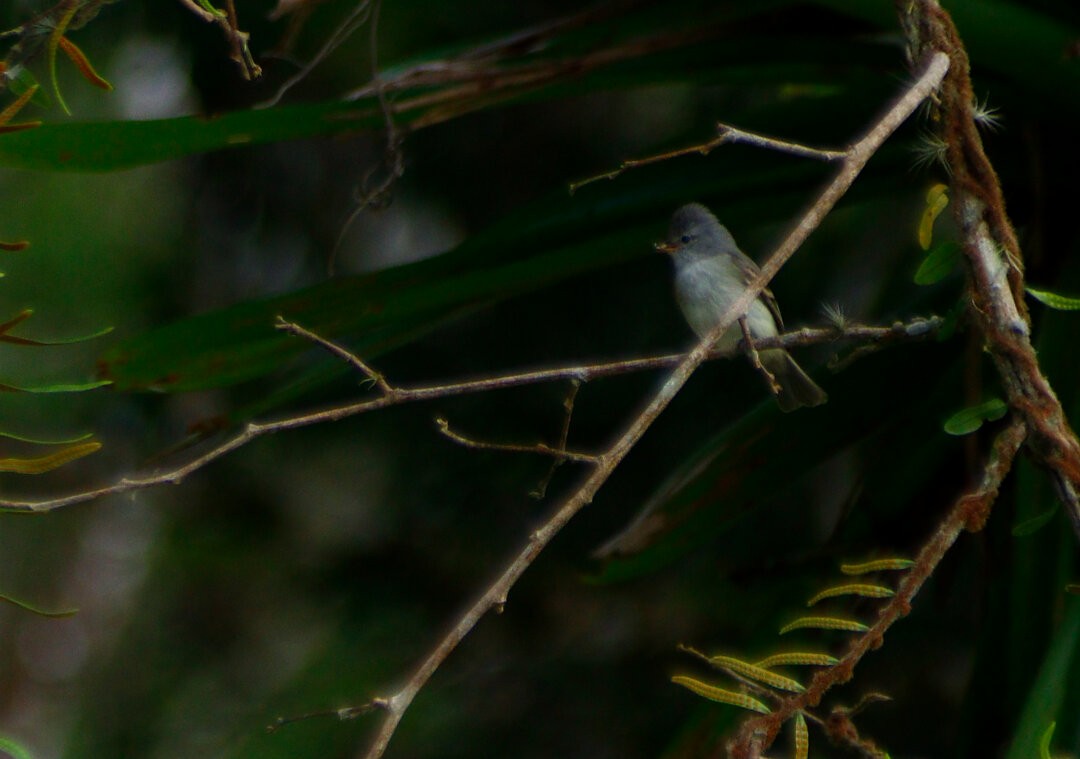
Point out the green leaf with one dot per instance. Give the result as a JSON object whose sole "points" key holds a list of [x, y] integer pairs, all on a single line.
{"points": [[41, 441], [1044, 742], [970, 419], [1029, 526], [938, 264], [60, 387], [37, 610], [15, 750], [1059, 672], [1053, 300]]}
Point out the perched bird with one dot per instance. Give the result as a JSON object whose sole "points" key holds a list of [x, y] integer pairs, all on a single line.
{"points": [[710, 273]]}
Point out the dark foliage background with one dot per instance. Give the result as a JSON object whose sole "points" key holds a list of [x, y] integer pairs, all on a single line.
{"points": [[310, 570]]}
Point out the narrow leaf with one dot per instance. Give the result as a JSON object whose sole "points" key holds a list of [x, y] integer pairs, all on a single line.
{"points": [[61, 341], [720, 695], [40, 441], [936, 201], [970, 419], [824, 623], [1050, 692], [36, 610], [15, 750], [876, 565], [802, 737], [16, 320], [9, 112], [54, 43], [855, 589], [1044, 741], [1032, 525], [755, 672], [798, 658], [57, 388], [1053, 300], [82, 63], [43, 464]]}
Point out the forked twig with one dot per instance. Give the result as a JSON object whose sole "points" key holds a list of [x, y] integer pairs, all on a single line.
{"points": [[560, 454], [724, 134], [568, 413], [393, 394]]}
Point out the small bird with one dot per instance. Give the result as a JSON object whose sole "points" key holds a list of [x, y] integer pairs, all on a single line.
{"points": [[710, 273]]}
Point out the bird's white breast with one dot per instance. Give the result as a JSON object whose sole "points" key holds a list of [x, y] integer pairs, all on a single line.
{"points": [[706, 288]]}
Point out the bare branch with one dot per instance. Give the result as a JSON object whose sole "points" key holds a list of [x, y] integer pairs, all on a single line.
{"points": [[542, 448], [344, 354], [724, 134], [496, 594], [568, 412], [915, 330]]}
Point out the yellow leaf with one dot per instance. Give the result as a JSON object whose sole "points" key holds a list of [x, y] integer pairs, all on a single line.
{"points": [[82, 63], [713, 693], [876, 565], [44, 464], [936, 200]]}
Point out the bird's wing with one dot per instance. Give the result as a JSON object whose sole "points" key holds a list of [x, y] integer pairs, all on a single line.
{"points": [[750, 270]]}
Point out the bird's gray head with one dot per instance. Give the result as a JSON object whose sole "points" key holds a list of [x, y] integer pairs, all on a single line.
{"points": [[695, 233]]}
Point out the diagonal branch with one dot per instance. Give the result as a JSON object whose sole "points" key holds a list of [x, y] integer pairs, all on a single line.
{"points": [[496, 594]]}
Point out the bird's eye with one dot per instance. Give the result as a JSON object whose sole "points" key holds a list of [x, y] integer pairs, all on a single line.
{"points": [[685, 239]]}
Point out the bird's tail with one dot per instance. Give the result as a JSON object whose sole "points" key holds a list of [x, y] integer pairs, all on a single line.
{"points": [[796, 387]]}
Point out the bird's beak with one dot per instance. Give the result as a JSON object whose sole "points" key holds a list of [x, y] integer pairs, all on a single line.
{"points": [[664, 247]]}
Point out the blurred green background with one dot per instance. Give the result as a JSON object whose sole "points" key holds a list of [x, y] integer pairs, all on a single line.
{"points": [[312, 570]]}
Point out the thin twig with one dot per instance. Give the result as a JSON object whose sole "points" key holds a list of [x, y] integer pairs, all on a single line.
{"points": [[375, 377], [568, 412], [357, 17], [724, 134], [238, 40], [542, 448], [496, 594], [916, 330]]}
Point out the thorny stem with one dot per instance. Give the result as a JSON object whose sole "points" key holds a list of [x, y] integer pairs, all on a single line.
{"points": [[495, 596], [390, 395]]}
